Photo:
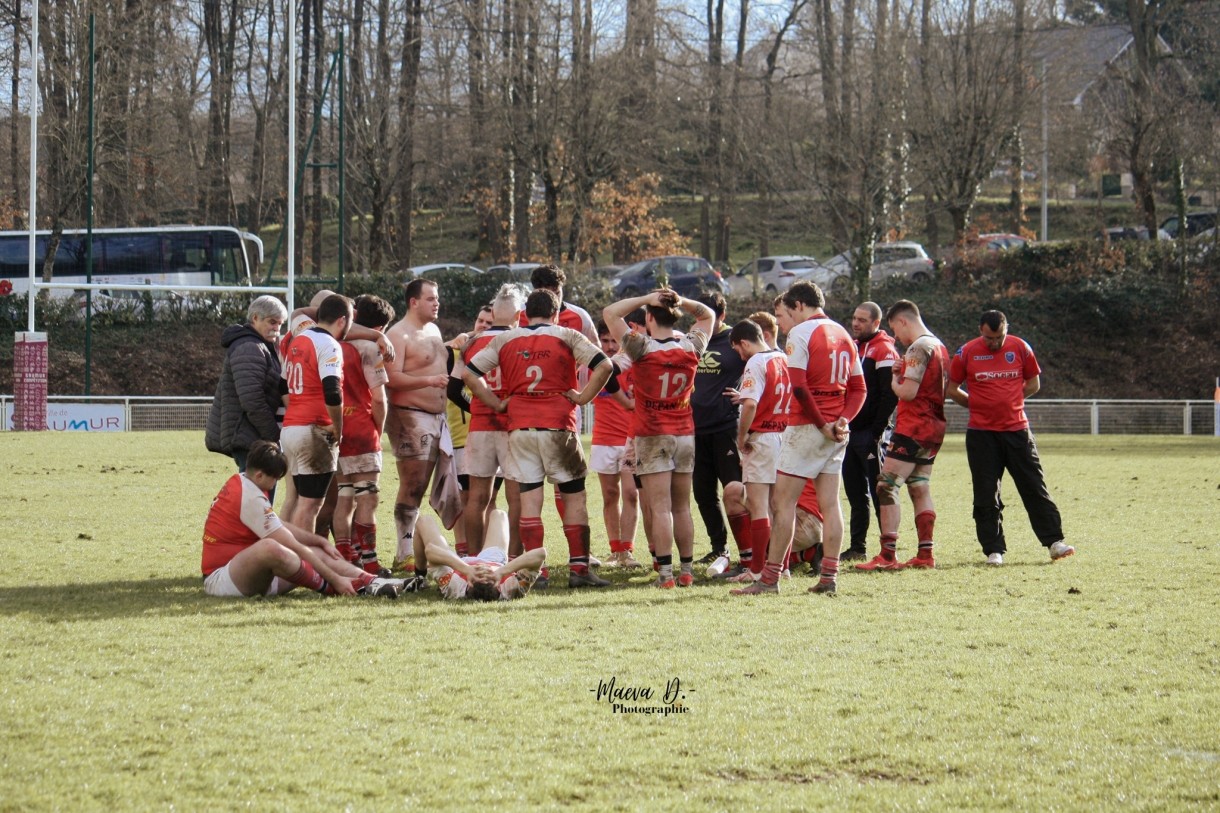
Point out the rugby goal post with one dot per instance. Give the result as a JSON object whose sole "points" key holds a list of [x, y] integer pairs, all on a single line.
{"points": [[34, 350]]}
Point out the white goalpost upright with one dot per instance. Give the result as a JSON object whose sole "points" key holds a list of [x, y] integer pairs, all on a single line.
{"points": [[30, 358]]}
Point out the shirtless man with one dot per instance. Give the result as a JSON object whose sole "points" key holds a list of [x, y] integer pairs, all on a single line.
{"points": [[416, 419]]}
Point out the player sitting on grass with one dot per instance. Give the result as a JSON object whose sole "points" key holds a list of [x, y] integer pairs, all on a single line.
{"points": [[486, 576], [249, 551]]}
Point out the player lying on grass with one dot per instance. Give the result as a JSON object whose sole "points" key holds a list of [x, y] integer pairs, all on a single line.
{"points": [[486, 576], [249, 551]]}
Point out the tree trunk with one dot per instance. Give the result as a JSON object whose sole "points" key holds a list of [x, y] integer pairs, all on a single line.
{"points": [[412, 48], [315, 197]]}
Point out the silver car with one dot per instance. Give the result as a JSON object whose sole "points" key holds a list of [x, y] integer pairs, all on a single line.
{"points": [[900, 259], [776, 275]]}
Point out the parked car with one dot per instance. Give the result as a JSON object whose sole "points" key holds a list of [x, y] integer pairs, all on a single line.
{"points": [[436, 268], [688, 276], [1195, 223], [900, 259], [1116, 234], [776, 275], [998, 242], [518, 271]]}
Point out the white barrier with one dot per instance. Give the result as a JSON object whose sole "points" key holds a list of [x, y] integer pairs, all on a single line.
{"points": [[1046, 415]]}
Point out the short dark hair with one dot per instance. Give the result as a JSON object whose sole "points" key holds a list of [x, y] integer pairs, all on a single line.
{"points": [[488, 308], [373, 311], [482, 591], [265, 456], [602, 327], [804, 293], [662, 315], [548, 276], [902, 307], [415, 288], [994, 320], [746, 330], [715, 301], [334, 307], [541, 304], [636, 317]]}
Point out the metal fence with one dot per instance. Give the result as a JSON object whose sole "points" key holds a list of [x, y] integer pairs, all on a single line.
{"points": [[1047, 415]]}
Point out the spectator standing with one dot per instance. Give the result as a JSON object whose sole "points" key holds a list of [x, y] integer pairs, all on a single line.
{"points": [[247, 405]]}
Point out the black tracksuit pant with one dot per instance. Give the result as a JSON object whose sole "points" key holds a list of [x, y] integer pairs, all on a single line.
{"points": [[990, 454]]}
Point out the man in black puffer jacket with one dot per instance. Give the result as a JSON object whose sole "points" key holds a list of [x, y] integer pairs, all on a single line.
{"points": [[247, 405]]}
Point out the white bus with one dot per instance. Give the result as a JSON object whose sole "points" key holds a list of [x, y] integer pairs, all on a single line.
{"points": [[158, 255]]}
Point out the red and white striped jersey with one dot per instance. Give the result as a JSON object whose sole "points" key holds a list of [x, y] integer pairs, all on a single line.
{"points": [[663, 379], [482, 417], [312, 356], [240, 516], [538, 366], [765, 381], [826, 353]]}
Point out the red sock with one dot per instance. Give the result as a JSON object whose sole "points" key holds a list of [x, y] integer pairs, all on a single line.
{"points": [[925, 523], [770, 573], [309, 578], [830, 569], [365, 538], [462, 549], [618, 546], [531, 533], [578, 547], [889, 546], [741, 526], [347, 550], [760, 534]]}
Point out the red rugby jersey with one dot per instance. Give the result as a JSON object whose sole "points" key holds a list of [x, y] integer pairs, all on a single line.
{"points": [[240, 516], [312, 356], [995, 380], [766, 382], [363, 371], [663, 379], [612, 420], [482, 417], [571, 316], [923, 418], [827, 355], [538, 365], [808, 501]]}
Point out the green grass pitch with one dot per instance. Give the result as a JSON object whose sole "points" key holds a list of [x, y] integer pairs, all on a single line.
{"points": [[1088, 684]]}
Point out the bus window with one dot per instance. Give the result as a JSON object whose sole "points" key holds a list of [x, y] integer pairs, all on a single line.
{"points": [[230, 260], [135, 255]]}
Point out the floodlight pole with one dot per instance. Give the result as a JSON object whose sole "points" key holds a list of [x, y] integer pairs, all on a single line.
{"points": [[33, 165]]}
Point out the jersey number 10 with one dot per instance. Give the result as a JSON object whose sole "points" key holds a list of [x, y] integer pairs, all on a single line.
{"points": [[840, 367]]}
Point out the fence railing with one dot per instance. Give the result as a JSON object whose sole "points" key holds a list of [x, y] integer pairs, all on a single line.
{"points": [[1046, 415]]}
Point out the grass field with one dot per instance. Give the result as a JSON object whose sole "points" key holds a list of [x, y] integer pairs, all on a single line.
{"points": [[1089, 684]]}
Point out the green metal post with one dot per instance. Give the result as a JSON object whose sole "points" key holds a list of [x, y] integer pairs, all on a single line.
{"points": [[342, 161]]}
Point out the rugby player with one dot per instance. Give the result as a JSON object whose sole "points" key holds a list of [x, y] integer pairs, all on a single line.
{"points": [[663, 370], [919, 381], [538, 364], [416, 420], [249, 551], [827, 391], [364, 410]]}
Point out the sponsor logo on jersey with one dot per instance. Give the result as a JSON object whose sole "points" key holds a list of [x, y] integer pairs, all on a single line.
{"points": [[1010, 357], [982, 358], [997, 375]]}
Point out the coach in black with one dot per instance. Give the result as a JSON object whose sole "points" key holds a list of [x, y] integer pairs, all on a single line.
{"points": [[716, 460], [862, 464]]}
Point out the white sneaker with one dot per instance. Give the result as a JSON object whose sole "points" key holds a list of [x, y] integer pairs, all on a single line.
{"points": [[1061, 550], [594, 561], [996, 559], [719, 566]]}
